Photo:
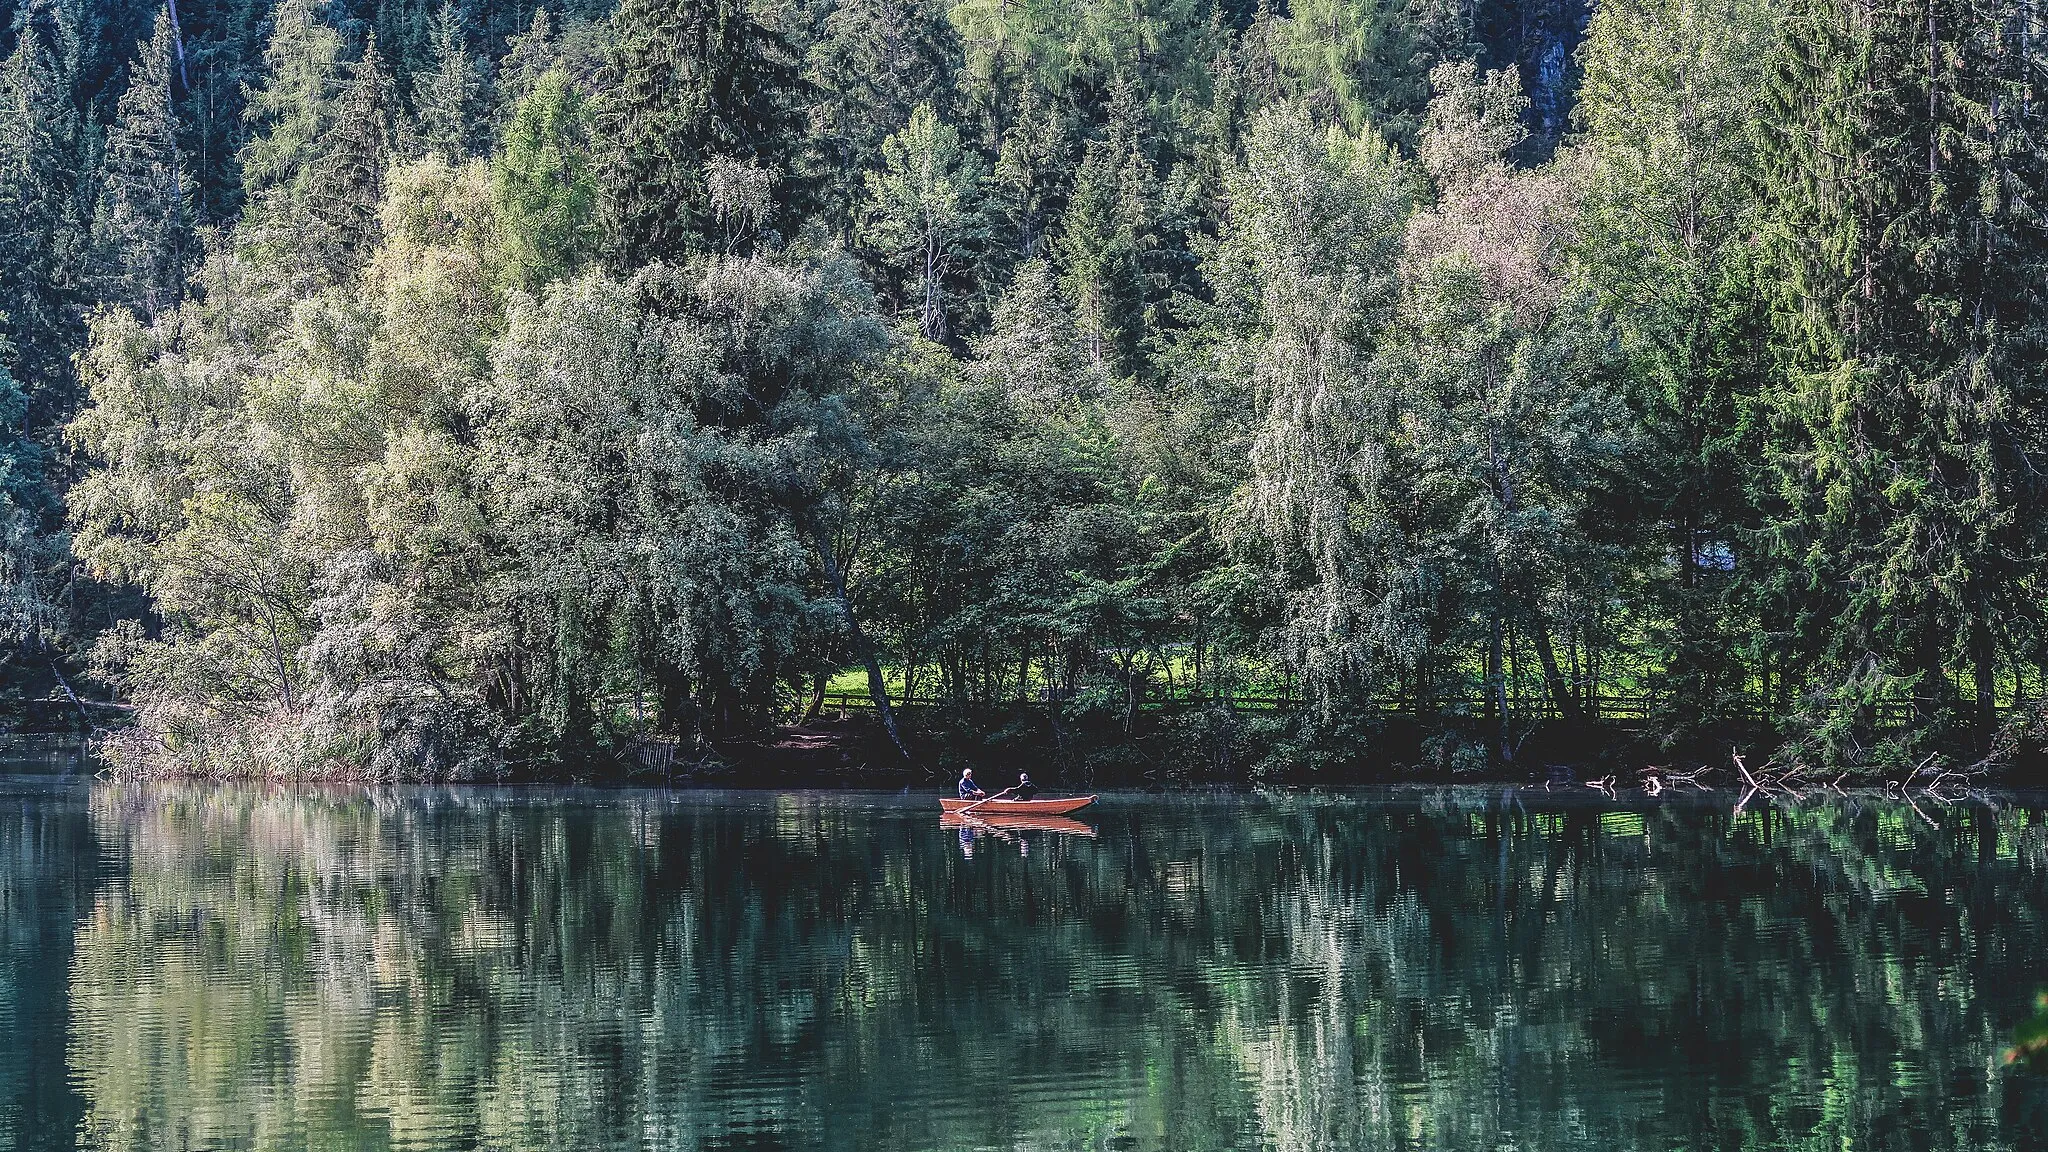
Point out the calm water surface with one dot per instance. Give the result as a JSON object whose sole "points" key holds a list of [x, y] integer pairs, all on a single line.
{"points": [[191, 968]]}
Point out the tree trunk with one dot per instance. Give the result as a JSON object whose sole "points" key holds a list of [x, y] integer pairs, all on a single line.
{"points": [[1984, 668], [816, 704], [672, 705], [878, 689], [1553, 678], [1497, 690]]}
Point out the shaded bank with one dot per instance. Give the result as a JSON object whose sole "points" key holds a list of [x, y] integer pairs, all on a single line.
{"points": [[1218, 747], [1111, 747]]}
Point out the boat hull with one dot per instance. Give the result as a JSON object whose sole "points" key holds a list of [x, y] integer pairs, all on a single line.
{"points": [[997, 808]]}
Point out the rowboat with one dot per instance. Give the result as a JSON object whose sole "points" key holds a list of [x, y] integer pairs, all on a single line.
{"points": [[1018, 807], [1064, 825]]}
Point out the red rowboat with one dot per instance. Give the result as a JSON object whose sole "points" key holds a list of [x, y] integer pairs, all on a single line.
{"points": [[994, 808]]}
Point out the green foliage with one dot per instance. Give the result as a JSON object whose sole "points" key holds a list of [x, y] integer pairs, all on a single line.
{"points": [[1670, 106], [447, 99], [290, 111], [545, 192], [873, 65], [1308, 270], [917, 214], [1367, 62], [686, 81], [420, 428], [2030, 1040], [141, 225], [1904, 234], [39, 142]]}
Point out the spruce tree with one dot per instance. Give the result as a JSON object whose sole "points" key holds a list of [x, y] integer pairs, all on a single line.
{"points": [[1107, 227], [27, 554], [141, 226], [528, 56], [1668, 114], [1034, 352], [38, 173], [1906, 172], [446, 98], [686, 80], [1029, 181], [407, 29], [874, 63], [342, 204]]}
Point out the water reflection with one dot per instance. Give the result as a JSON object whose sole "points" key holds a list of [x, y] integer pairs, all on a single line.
{"points": [[1462, 969]]}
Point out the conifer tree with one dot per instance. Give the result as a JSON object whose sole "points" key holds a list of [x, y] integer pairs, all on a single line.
{"points": [[1905, 171], [1034, 351], [1368, 61], [528, 56], [349, 186], [141, 223], [290, 111], [408, 31], [686, 80], [1029, 182], [542, 184], [1107, 227], [875, 62], [1669, 110], [26, 615], [38, 173], [446, 98]]}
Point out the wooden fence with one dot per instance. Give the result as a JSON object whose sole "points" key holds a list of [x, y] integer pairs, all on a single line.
{"points": [[1614, 709]]}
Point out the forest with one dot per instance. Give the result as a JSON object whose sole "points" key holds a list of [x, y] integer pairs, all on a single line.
{"points": [[397, 389]]}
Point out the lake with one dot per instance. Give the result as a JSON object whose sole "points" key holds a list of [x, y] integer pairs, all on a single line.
{"points": [[190, 967]]}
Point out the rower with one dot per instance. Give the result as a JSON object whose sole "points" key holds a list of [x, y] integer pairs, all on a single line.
{"points": [[1025, 789]]}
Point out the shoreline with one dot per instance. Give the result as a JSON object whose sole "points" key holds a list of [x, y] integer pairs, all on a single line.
{"points": [[855, 753]]}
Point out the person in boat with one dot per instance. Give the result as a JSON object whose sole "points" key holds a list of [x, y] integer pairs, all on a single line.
{"points": [[968, 789], [1025, 789]]}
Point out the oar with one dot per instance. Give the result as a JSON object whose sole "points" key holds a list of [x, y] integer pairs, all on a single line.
{"points": [[986, 799]]}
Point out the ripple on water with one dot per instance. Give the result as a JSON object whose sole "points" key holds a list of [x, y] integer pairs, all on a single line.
{"points": [[547, 971]]}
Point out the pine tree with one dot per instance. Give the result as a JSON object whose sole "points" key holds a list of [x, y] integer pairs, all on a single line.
{"points": [[446, 99], [528, 56], [875, 63], [687, 80], [342, 204], [1906, 175], [141, 226]]}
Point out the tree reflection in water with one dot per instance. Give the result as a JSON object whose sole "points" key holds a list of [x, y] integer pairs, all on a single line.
{"points": [[458, 969]]}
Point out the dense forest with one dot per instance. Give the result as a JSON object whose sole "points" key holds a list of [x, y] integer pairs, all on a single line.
{"points": [[396, 388]]}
